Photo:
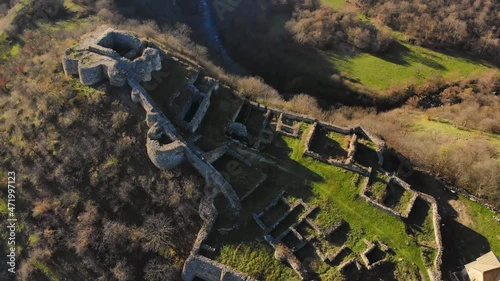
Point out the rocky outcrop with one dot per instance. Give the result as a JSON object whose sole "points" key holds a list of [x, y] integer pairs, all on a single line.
{"points": [[237, 130]]}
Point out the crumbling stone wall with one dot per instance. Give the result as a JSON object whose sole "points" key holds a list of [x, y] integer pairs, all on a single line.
{"points": [[400, 182], [166, 156], [344, 265], [407, 187], [436, 222], [287, 130]]}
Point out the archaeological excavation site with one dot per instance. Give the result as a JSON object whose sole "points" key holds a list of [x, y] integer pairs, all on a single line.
{"points": [[286, 196]]}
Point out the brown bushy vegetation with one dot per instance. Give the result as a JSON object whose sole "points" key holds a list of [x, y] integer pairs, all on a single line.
{"points": [[92, 204], [324, 28], [472, 26]]}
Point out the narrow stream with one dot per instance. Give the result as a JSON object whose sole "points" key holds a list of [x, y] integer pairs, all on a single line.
{"points": [[208, 22]]}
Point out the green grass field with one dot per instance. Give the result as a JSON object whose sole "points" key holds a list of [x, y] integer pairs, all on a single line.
{"points": [[403, 64], [336, 4]]}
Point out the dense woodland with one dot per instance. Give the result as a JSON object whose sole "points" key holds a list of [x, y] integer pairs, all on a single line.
{"points": [[324, 28], [467, 25]]}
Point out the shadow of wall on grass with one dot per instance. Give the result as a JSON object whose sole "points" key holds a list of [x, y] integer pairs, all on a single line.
{"points": [[461, 243]]}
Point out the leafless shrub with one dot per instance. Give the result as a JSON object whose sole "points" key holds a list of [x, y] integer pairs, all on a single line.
{"points": [[158, 230]]}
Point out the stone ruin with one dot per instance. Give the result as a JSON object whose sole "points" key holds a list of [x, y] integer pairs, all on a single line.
{"points": [[250, 124], [346, 162], [196, 107], [436, 219], [123, 59], [374, 255], [396, 181], [113, 55], [286, 126], [215, 154]]}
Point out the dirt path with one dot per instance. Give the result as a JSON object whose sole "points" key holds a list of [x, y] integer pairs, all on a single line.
{"points": [[462, 214]]}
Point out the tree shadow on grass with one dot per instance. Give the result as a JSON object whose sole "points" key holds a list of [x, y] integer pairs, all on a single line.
{"points": [[402, 55]]}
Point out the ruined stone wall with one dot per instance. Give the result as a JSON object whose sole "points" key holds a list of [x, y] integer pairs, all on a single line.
{"points": [[216, 178], [436, 222], [381, 146], [436, 219], [213, 155], [309, 137], [70, 65], [200, 114], [337, 129], [350, 167], [111, 38], [97, 61], [407, 187], [237, 112], [209, 270], [208, 213], [105, 52], [367, 199]]}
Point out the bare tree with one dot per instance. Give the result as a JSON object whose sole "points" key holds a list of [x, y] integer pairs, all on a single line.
{"points": [[157, 229]]}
